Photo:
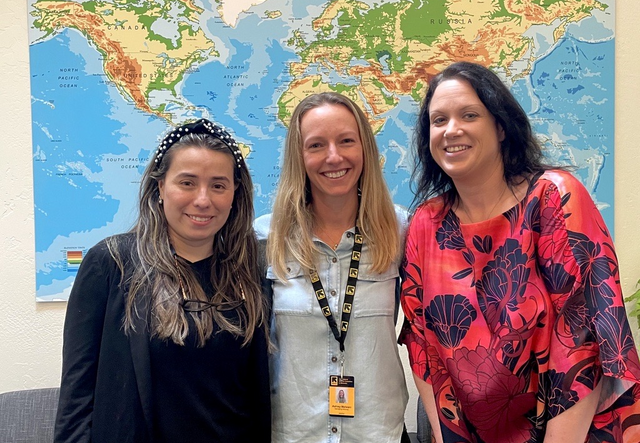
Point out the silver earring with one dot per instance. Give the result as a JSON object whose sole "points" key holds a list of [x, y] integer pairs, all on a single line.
{"points": [[160, 201]]}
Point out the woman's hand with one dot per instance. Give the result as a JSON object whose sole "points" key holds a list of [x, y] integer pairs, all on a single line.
{"points": [[572, 425]]}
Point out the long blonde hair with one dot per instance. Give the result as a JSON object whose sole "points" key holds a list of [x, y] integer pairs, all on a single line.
{"points": [[157, 272], [291, 231]]}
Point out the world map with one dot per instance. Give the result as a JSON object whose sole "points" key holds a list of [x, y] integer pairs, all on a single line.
{"points": [[109, 78]]}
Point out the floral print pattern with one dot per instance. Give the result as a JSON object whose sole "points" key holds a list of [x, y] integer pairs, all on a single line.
{"points": [[449, 317], [515, 319], [492, 394]]}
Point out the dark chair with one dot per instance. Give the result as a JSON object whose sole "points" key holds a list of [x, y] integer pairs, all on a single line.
{"points": [[28, 416]]}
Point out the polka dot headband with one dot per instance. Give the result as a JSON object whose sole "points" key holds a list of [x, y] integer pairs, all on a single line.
{"points": [[202, 126]]}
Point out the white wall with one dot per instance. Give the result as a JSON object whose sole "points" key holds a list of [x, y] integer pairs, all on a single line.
{"points": [[31, 333]]}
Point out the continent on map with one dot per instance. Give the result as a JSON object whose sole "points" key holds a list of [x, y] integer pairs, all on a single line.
{"points": [[145, 50], [230, 10], [299, 89], [394, 48]]}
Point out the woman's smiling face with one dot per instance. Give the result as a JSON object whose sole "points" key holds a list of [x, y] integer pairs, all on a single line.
{"points": [[197, 193], [464, 136], [332, 151]]}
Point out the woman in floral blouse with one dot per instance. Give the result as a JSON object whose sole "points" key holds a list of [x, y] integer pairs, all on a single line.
{"points": [[516, 327]]}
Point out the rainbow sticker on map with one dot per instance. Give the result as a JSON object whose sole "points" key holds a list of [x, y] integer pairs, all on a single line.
{"points": [[74, 258]]}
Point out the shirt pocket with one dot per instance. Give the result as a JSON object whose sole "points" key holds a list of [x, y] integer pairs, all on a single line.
{"points": [[294, 297], [375, 292]]}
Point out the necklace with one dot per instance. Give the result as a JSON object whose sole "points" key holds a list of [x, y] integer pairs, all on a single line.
{"points": [[328, 239], [464, 207]]}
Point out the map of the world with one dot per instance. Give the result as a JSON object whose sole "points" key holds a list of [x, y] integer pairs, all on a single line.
{"points": [[110, 77]]}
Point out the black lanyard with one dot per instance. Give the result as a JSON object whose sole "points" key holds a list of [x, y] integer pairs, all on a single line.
{"points": [[349, 293]]}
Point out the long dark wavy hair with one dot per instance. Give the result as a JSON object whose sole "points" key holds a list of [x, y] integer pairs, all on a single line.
{"points": [[156, 275], [521, 152]]}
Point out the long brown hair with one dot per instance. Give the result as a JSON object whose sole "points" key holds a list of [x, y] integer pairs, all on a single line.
{"points": [[156, 275]]}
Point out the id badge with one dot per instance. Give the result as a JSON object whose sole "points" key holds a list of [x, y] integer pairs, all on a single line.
{"points": [[342, 396]]}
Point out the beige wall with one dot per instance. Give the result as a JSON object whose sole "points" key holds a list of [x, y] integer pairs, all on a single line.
{"points": [[627, 160], [31, 334]]}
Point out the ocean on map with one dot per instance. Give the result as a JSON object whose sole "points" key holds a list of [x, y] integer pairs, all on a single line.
{"points": [[85, 184], [67, 143], [572, 105], [247, 109]]}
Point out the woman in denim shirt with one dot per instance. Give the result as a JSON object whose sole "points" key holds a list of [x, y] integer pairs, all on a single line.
{"points": [[331, 195]]}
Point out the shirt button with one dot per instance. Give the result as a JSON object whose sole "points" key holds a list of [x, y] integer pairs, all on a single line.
{"points": [[334, 260], [334, 429], [333, 292], [334, 359]]}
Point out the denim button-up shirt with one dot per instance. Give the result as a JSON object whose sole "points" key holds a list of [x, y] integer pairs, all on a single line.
{"points": [[307, 352]]}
